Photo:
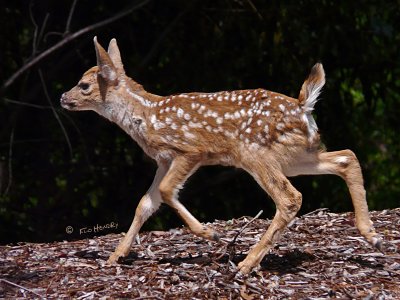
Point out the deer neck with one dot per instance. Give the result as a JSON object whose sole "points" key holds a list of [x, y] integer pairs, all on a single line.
{"points": [[129, 109]]}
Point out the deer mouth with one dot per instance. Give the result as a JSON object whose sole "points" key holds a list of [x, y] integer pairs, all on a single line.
{"points": [[67, 103]]}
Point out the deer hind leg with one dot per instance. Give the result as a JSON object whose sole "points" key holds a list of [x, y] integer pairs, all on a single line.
{"points": [[344, 164], [288, 202], [181, 168], [149, 203]]}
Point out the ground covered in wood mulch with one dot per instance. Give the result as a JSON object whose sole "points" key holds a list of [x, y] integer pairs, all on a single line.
{"points": [[320, 256]]}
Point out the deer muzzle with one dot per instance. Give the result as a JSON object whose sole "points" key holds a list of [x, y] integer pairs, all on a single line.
{"points": [[67, 102]]}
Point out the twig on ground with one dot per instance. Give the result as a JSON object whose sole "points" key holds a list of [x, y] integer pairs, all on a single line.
{"points": [[245, 226], [21, 287], [315, 212], [231, 245]]}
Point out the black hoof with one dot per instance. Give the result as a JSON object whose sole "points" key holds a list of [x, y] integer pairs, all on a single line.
{"points": [[216, 236], [377, 242]]}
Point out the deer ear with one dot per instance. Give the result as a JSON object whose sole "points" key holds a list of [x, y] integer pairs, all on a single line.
{"points": [[115, 55], [105, 64]]}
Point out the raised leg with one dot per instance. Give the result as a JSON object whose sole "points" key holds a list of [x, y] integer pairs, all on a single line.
{"points": [[344, 164], [180, 170], [149, 203], [288, 202]]}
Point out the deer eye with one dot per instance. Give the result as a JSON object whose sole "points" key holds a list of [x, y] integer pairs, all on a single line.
{"points": [[84, 86]]}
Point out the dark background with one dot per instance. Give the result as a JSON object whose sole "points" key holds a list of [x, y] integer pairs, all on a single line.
{"points": [[59, 168]]}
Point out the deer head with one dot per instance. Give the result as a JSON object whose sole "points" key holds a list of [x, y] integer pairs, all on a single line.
{"points": [[98, 85]]}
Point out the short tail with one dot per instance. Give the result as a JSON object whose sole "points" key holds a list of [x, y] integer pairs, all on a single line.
{"points": [[311, 88]]}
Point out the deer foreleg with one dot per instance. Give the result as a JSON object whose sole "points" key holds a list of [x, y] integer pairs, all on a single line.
{"points": [[181, 168], [149, 203]]}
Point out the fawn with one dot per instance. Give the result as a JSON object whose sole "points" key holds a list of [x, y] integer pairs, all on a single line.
{"points": [[270, 135]]}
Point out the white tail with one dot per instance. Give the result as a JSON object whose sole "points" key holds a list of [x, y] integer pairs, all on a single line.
{"points": [[309, 96], [268, 134]]}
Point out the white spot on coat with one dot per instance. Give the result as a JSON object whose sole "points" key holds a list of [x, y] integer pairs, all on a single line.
{"points": [[195, 125], [180, 112], [266, 128], [159, 125], [280, 126], [189, 135]]}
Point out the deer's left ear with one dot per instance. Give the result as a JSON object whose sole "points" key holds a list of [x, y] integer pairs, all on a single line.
{"points": [[115, 55], [107, 69]]}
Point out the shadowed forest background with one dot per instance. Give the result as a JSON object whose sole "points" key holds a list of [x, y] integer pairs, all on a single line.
{"points": [[60, 168]]}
